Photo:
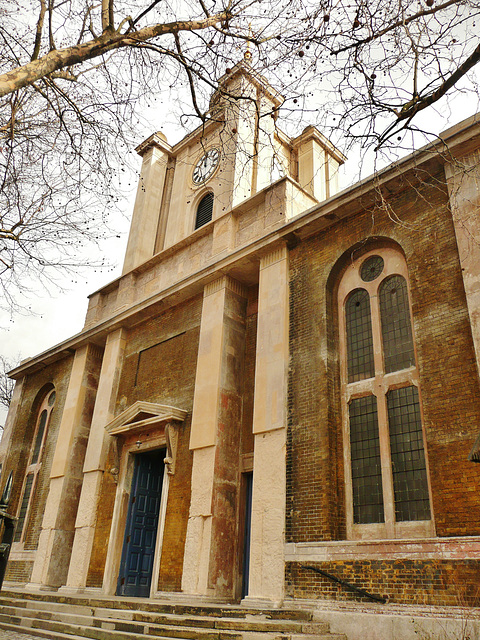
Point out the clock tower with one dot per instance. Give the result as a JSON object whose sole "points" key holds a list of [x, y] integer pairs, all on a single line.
{"points": [[237, 153]]}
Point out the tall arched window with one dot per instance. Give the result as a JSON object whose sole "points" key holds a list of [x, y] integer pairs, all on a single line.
{"points": [[204, 211], [34, 464], [386, 479]]}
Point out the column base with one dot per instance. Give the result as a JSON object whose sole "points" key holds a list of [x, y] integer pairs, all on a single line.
{"points": [[37, 586], [73, 591], [255, 602], [189, 598]]}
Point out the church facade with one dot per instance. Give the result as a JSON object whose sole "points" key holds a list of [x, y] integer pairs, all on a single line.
{"points": [[284, 379]]}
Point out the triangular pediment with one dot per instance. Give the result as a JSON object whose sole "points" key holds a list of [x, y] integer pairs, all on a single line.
{"points": [[144, 414]]}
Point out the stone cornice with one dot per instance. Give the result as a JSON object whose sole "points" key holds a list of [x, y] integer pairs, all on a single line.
{"points": [[312, 132], [155, 140]]}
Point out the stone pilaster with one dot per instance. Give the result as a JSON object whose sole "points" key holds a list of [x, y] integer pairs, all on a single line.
{"points": [[463, 180], [269, 428], [95, 459], [146, 212], [312, 168], [58, 526], [210, 549], [11, 417]]}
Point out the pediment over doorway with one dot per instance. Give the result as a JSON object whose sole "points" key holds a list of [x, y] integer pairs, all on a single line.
{"points": [[144, 414]]}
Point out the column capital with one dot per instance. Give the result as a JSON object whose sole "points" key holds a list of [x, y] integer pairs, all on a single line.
{"points": [[225, 282], [277, 255]]}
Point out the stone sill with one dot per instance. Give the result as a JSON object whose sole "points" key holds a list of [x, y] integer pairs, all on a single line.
{"points": [[467, 547], [19, 553]]}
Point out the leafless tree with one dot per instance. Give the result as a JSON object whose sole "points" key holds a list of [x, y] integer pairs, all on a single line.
{"points": [[72, 74], [6, 383]]}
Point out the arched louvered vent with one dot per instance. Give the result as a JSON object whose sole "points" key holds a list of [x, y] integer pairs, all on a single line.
{"points": [[204, 211]]}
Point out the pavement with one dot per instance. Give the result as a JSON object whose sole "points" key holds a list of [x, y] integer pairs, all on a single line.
{"points": [[14, 635]]}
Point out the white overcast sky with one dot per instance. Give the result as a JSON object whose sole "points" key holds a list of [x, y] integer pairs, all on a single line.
{"points": [[58, 315]]}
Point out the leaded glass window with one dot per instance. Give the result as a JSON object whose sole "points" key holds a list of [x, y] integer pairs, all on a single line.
{"points": [[397, 339], [39, 438], [408, 459], [22, 515], [371, 268], [386, 467], [359, 336], [366, 462]]}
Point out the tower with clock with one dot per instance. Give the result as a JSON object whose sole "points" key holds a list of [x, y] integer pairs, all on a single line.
{"points": [[239, 152]]}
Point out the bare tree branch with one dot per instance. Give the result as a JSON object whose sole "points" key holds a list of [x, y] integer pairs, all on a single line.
{"points": [[419, 103], [61, 58], [6, 383], [39, 30], [403, 22]]}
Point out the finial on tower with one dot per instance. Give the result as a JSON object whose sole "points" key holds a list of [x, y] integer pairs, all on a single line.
{"points": [[247, 56]]}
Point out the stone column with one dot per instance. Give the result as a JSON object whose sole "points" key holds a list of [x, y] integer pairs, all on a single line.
{"points": [[463, 180], [58, 526], [95, 456], [269, 428], [210, 549]]}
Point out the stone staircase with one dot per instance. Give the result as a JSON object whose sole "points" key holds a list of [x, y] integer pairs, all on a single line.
{"points": [[51, 615]]}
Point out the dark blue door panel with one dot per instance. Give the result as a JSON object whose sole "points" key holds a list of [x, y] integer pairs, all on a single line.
{"points": [[141, 529]]}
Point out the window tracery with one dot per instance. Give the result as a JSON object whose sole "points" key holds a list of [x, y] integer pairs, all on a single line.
{"points": [[386, 472]]}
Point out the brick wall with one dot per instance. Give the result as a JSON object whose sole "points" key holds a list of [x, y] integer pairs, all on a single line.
{"points": [[103, 524], [171, 562], [419, 221], [18, 571], [424, 582], [159, 366]]}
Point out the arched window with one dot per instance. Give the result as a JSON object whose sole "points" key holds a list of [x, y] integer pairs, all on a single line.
{"points": [[386, 479], [204, 211], [34, 464]]}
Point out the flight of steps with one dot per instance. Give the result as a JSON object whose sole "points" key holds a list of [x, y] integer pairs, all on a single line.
{"points": [[50, 615]]}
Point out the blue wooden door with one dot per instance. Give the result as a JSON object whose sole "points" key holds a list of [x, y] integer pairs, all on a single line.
{"points": [[141, 529]]}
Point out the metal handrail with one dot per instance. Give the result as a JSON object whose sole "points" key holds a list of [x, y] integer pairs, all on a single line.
{"points": [[344, 583]]}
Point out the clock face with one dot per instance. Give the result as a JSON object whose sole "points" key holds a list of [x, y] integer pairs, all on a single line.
{"points": [[206, 166]]}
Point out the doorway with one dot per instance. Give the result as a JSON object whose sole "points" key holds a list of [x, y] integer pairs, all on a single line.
{"points": [[248, 485], [138, 552]]}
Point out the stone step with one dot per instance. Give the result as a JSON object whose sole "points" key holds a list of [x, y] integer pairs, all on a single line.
{"points": [[168, 626], [141, 623], [40, 633], [29, 605], [50, 615], [212, 610], [170, 621], [26, 617], [46, 631]]}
